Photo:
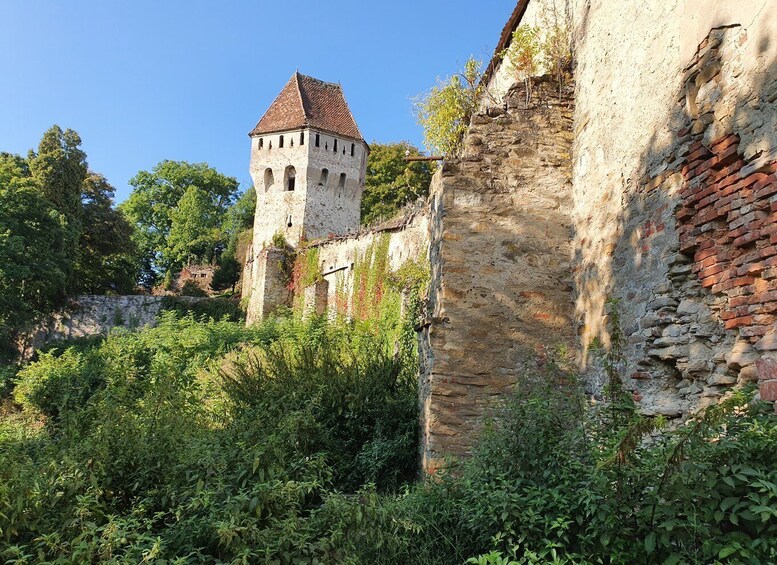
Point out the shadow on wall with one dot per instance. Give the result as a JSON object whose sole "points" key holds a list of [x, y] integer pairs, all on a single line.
{"points": [[695, 263]]}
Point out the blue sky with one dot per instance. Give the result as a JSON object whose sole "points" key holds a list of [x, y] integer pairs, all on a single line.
{"points": [[143, 81]]}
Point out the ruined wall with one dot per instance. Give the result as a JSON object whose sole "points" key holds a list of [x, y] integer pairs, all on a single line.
{"points": [[86, 316], [675, 137], [408, 240], [267, 288], [501, 290]]}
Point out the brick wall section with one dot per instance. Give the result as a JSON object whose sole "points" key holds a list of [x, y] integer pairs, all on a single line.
{"points": [[726, 212], [501, 292]]}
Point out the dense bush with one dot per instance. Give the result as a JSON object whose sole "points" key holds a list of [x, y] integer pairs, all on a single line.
{"points": [[294, 443], [203, 441], [217, 308]]}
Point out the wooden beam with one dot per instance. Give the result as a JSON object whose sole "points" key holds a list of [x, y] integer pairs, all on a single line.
{"points": [[409, 159]]}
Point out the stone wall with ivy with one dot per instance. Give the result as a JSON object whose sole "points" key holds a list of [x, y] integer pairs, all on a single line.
{"points": [[367, 276]]}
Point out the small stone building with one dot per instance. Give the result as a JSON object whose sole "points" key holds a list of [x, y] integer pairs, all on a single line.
{"points": [[201, 275]]}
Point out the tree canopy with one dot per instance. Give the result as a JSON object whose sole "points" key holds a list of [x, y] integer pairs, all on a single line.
{"points": [[107, 260], [177, 210], [59, 234], [391, 181]]}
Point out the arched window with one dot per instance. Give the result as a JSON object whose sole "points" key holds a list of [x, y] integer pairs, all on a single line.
{"points": [[289, 178], [291, 142], [280, 143], [317, 140], [302, 138], [353, 148], [261, 142], [335, 146], [341, 182], [268, 180], [269, 146], [324, 177]]}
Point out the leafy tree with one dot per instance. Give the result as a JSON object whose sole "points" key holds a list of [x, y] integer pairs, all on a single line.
{"points": [[59, 169], [444, 112], [34, 261], [154, 209], [194, 230], [108, 258], [239, 218], [391, 181]]}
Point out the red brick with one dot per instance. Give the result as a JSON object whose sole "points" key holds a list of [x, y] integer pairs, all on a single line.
{"points": [[764, 297], [684, 213], [767, 369], [726, 156], [722, 143], [747, 238], [742, 281], [768, 390], [699, 153], [712, 270], [712, 280], [704, 253], [738, 322], [750, 269]]}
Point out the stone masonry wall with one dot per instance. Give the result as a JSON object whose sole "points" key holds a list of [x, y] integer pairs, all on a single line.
{"points": [[86, 316], [675, 147], [408, 241], [500, 246]]}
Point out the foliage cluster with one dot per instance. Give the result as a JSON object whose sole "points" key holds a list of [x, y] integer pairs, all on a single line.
{"points": [[293, 442], [217, 308], [59, 232], [543, 48], [445, 111], [204, 442], [392, 182], [183, 213], [305, 271]]}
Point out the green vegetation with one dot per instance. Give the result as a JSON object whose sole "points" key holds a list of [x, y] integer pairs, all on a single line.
{"points": [[59, 234], [391, 181], [203, 442], [444, 112], [296, 442], [179, 210]]}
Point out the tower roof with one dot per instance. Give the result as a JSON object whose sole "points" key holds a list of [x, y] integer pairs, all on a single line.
{"points": [[308, 102]]}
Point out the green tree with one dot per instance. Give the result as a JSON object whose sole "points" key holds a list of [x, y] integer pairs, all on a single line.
{"points": [[195, 232], [59, 169], [108, 261], [391, 181], [239, 218], [445, 111], [154, 209], [34, 261]]}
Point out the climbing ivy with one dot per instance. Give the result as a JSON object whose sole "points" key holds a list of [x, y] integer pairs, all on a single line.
{"points": [[305, 271]]}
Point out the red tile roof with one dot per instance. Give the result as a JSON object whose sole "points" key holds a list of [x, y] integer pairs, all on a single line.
{"points": [[308, 102]]}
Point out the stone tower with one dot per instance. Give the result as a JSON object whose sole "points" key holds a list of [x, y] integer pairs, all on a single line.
{"points": [[308, 164]]}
